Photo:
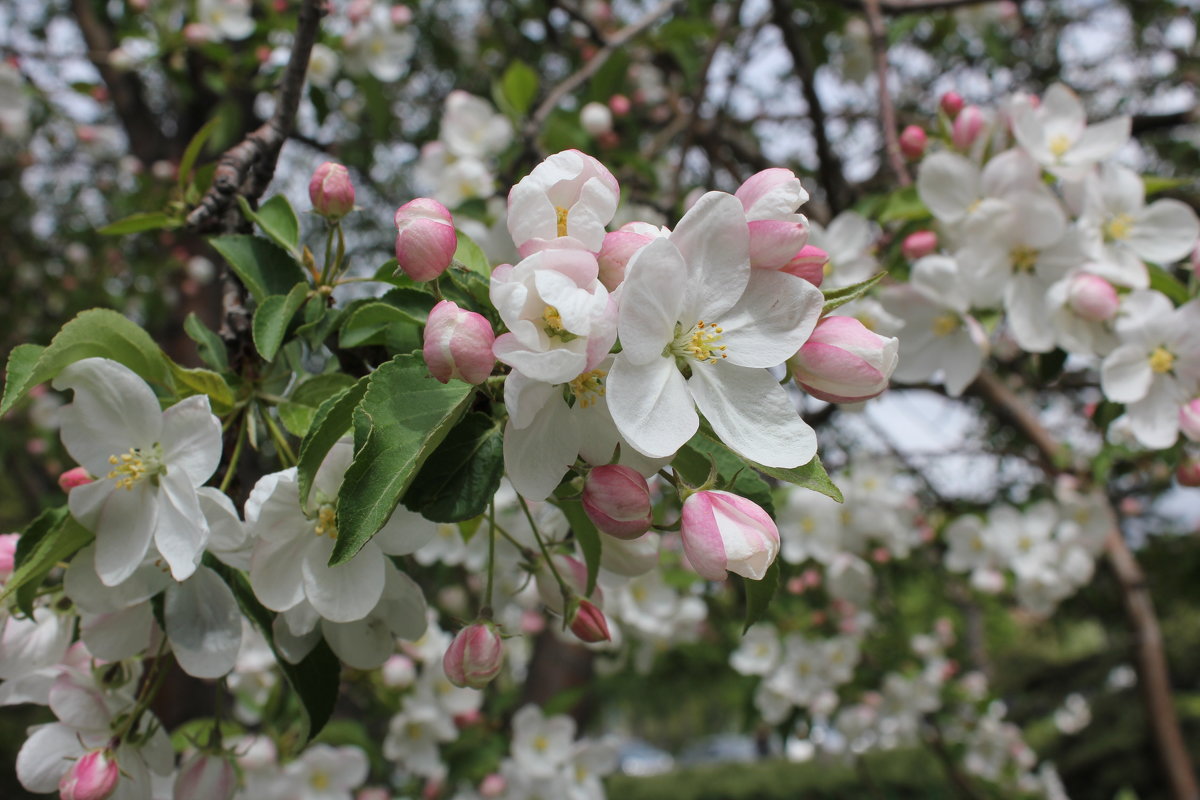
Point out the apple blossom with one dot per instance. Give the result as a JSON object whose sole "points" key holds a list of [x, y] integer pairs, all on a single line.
{"points": [[1188, 473], [1055, 132], [206, 777], [618, 247], [152, 462], [968, 125], [1189, 423], [93, 777], [617, 500], [912, 142], [458, 344], [596, 119], [564, 202], [331, 191], [1092, 298], [707, 346], [472, 128], [8, 553], [723, 531], [770, 199], [808, 264], [848, 242], [475, 656], [843, 362], [425, 239], [76, 476]]}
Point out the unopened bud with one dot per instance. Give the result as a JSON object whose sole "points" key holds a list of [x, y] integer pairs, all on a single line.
{"points": [[76, 476], [331, 191], [952, 103], [1189, 419], [724, 531], [615, 252], [596, 119], [844, 362], [617, 500], [425, 239], [493, 785], [589, 624], [1092, 297], [619, 104], [967, 127], [919, 244], [809, 264], [8, 554], [912, 142], [93, 777], [475, 656], [1188, 473], [458, 344]]}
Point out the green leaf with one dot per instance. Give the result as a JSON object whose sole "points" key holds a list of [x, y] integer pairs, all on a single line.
{"points": [[96, 332], [403, 417], [519, 87], [368, 323], [461, 476], [52, 537], [759, 594], [809, 476], [1156, 183], [693, 463], [263, 266], [315, 680], [209, 345], [194, 148], [835, 298], [903, 204], [272, 317], [587, 536], [415, 303], [298, 411], [470, 256], [137, 223], [1168, 284], [277, 220], [332, 421], [206, 382]]}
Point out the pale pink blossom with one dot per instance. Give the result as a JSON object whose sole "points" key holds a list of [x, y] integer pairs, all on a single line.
{"points": [[723, 531], [425, 239], [331, 191], [475, 656], [458, 344], [844, 362], [617, 500]]}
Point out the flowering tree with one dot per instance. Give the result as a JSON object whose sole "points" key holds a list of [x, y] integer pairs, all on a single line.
{"points": [[410, 508]]}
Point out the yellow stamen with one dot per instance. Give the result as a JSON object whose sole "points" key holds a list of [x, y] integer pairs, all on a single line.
{"points": [[326, 522], [808, 525], [553, 326], [319, 780], [132, 467], [1060, 143], [700, 343], [540, 743], [946, 325], [827, 269], [1023, 258], [588, 387], [561, 214], [1118, 228], [1161, 360]]}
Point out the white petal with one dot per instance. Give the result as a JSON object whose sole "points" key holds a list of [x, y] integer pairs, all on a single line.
{"points": [[1164, 231], [113, 411], [537, 457], [948, 185], [715, 242], [123, 521], [651, 405], [403, 606], [275, 571], [203, 624], [182, 531], [1025, 302], [651, 300], [774, 316], [362, 644], [753, 414], [348, 591], [191, 439], [1154, 419], [30, 644], [1099, 141], [46, 756], [292, 645], [405, 532], [1125, 376], [118, 635], [228, 538]]}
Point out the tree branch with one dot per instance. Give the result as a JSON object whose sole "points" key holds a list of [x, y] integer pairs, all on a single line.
{"points": [[887, 112], [590, 67], [1155, 680], [897, 7], [247, 167], [829, 166]]}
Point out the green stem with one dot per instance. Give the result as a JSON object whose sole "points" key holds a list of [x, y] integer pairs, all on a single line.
{"points": [[491, 576], [562, 584], [147, 693], [285, 450], [227, 478], [327, 267]]}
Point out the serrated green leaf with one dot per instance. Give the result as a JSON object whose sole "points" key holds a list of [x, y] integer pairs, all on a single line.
{"points": [[368, 323], [588, 537], [694, 465], [137, 223], [96, 332], [470, 256], [1168, 284], [415, 303], [809, 476], [298, 411], [835, 298], [272, 317], [263, 266], [461, 476], [404, 415], [206, 382], [519, 87], [194, 148], [209, 345], [52, 537], [315, 680], [332, 421], [277, 219], [759, 594]]}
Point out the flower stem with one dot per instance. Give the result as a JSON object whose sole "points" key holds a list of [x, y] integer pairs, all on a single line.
{"points": [[285, 450], [491, 574], [227, 478], [562, 584]]}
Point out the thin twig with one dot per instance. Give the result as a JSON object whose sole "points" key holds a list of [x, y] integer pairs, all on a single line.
{"points": [[575, 79], [247, 167], [887, 112]]}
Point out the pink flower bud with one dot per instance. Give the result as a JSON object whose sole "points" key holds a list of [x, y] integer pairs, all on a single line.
{"points": [[401, 16], [206, 777], [618, 248], [197, 33], [912, 142], [590, 625], [493, 785], [723, 531], [425, 238], [967, 127], [952, 103], [76, 476], [398, 672], [1189, 422], [774, 243], [1188, 473], [458, 344], [844, 362], [808, 264], [8, 554], [1196, 258], [1092, 297], [919, 244], [331, 191], [771, 194], [373, 793], [617, 499], [619, 104], [574, 574], [93, 777], [475, 656]]}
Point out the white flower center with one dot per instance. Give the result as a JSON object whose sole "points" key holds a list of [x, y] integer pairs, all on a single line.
{"points": [[946, 324], [1059, 144], [136, 465], [1162, 360], [699, 343], [1024, 259], [560, 214], [1118, 228]]}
